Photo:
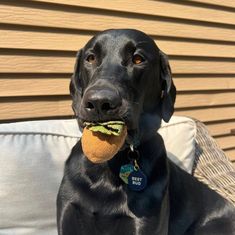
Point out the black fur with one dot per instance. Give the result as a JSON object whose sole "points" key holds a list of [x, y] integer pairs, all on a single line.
{"points": [[93, 200]]}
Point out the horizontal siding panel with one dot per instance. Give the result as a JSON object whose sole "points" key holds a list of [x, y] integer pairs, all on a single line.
{"points": [[35, 109], [209, 114], [73, 42], [231, 155], [16, 87], [201, 66], [186, 48], [59, 86], [14, 110], [41, 40], [92, 21], [221, 128], [46, 85], [56, 64], [205, 99], [225, 3], [53, 86], [156, 8], [226, 142], [36, 64], [202, 83]]}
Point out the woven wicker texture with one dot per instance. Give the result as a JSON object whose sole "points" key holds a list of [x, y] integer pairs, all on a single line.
{"points": [[211, 166]]}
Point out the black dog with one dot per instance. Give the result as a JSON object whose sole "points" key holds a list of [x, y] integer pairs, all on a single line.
{"points": [[122, 75]]}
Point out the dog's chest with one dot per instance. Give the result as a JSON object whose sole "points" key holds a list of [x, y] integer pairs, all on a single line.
{"points": [[115, 215], [97, 223]]}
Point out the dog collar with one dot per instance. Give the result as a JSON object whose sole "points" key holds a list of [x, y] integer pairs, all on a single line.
{"points": [[133, 141]]}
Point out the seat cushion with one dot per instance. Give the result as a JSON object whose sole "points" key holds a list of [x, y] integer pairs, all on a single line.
{"points": [[179, 138], [31, 164]]}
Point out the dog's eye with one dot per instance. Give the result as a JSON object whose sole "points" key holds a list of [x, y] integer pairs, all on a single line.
{"points": [[91, 59], [137, 59]]}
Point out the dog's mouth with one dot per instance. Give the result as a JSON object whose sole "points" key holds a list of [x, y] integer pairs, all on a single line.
{"points": [[125, 116], [113, 128], [97, 121]]}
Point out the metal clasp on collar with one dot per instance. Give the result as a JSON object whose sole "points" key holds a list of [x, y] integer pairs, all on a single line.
{"points": [[133, 156]]}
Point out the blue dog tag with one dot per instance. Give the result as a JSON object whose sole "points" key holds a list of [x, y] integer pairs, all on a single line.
{"points": [[137, 180]]}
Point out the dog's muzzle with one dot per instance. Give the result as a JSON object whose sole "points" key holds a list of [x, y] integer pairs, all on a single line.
{"points": [[101, 104]]}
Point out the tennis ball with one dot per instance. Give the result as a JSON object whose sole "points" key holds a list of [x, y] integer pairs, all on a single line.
{"points": [[99, 147]]}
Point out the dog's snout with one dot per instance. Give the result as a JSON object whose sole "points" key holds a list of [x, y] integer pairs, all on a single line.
{"points": [[101, 102]]}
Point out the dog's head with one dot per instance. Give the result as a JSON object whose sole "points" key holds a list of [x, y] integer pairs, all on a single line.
{"points": [[122, 75]]}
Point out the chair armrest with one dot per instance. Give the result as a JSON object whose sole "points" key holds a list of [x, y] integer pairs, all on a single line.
{"points": [[212, 166]]}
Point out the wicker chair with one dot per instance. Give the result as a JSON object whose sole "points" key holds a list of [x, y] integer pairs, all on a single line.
{"points": [[212, 166]]}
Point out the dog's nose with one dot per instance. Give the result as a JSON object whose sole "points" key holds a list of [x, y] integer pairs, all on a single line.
{"points": [[102, 102]]}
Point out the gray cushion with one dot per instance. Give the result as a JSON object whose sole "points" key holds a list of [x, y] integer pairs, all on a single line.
{"points": [[32, 155]]}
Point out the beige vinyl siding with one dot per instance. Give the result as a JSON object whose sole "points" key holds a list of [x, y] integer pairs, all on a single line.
{"points": [[39, 40]]}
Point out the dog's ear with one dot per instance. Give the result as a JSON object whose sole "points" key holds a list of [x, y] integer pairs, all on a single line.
{"points": [[75, 86], [168, 88]]}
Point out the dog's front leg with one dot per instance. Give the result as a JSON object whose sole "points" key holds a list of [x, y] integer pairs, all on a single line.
{"points": [[67, 221]]}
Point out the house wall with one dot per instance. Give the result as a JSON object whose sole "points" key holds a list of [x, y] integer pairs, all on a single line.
{"points": [[39, 40]]}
